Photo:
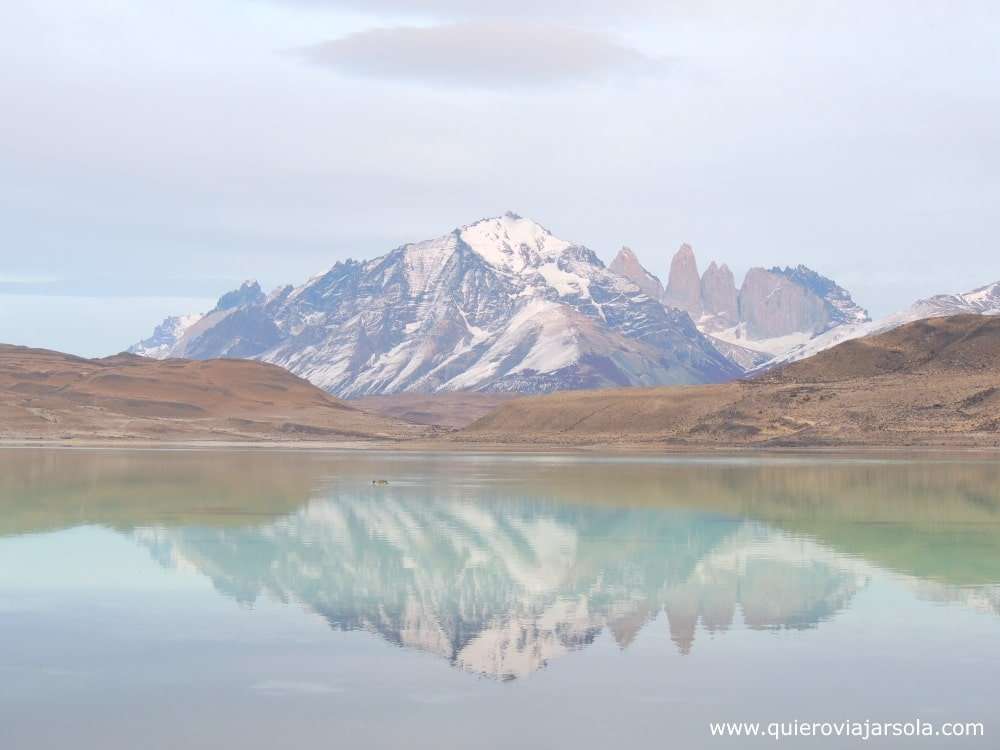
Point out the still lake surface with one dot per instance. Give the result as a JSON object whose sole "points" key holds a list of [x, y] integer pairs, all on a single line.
{"points": [[252, 599]]}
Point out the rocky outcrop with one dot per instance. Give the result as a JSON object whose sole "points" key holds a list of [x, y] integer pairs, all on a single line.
{"points": [[249, 293], [627, 265], [775, 311], [718, 294], [843, 309], [683, 290], [783, 301], [773, 305]]}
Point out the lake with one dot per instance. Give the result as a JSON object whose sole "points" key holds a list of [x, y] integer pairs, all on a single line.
{"points": [[260, 599]]}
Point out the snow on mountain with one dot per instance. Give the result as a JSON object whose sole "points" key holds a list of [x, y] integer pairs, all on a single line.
{"points": [[512, 244], [499, 305], [982, 301]]}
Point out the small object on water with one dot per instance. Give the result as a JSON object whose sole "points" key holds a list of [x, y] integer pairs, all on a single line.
{"points": [[380, 481]]}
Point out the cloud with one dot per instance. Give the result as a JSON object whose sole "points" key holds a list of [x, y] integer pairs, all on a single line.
{"points": [[493, 55]]}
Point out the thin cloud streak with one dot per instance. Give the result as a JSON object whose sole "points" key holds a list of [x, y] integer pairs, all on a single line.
{"points": [[481, 55]]}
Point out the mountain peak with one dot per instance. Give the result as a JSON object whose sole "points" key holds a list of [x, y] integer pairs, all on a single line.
{"points": [[684, 284], [249, 293], [627, 265], [512, 243], [507, 218], [843, 307], [718, 294]]}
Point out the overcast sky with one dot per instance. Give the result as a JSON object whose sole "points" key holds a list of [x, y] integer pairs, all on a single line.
{"points": [[153, 154]]}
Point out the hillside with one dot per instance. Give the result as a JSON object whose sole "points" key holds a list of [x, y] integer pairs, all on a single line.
{"points": [[932, 382], [957, 344], [49, 395]]}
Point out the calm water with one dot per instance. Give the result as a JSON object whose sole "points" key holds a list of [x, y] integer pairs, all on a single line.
{"points": [[166, 599]]}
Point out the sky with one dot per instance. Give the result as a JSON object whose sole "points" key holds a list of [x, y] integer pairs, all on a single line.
{"points": [[153, 154]]}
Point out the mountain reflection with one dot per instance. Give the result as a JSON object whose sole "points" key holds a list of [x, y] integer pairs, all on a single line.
{"points": [[501, 589], [501, 564]]}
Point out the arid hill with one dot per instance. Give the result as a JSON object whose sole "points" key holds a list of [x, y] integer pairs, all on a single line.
{"points": [[48, 395], [933, 382], [961, 344]]}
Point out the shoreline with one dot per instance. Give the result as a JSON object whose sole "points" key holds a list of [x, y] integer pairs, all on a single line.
{"points": [[645, 449]]}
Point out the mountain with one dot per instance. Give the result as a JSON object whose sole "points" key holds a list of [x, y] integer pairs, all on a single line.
{"points": [[782, 302], [719, 296], [982, 301], [774, 311], [49, 395], [165, 336], [627, 265], [683, 285], [501, 305], [840, 307], [931, 382]]}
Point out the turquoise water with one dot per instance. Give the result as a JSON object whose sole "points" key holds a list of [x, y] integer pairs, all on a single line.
{"points": [[165, 599]]}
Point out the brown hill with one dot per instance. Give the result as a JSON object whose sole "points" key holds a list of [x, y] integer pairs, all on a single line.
{"points": [[958, 344], [46, 395], [933, 382]]}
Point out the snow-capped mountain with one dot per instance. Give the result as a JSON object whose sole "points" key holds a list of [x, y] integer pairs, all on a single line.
{"points": [[982, 301], [774, 310], [499, 305]]}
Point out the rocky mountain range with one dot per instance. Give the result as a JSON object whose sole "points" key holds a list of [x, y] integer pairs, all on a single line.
{"points": [[781, 315], [773, 311], [504, 306], [499, 305]]}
